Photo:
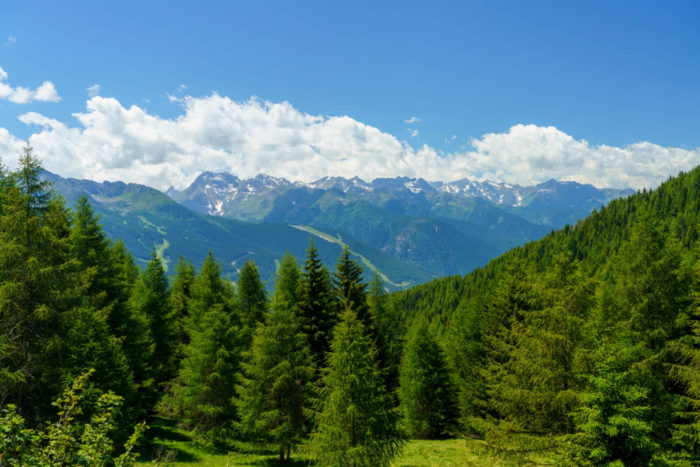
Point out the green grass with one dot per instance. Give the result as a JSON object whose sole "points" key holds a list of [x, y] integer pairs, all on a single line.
{"points": [[174, 446]]}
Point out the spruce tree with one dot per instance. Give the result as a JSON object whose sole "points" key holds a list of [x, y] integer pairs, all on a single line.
{"points": [[389, 329], [349, 287], [288, 285], [356, 421], [536, 385], [276, 386], [35, 288], [205, 387], [151, 300], [317, 306], [108, 274], [685, 370], [426, 394], [180, 295], [251, 297]]}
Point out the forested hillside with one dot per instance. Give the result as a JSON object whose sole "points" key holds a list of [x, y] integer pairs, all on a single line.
{"points": [[585, 343], [582, 348]]}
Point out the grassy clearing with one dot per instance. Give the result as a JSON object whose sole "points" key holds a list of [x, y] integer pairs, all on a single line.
{"points": [[173, 446]]}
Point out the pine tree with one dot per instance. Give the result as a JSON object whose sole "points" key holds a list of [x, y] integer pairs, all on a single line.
{"points": [[356, 423], [276, 388], [251, 297], [349, 287], [426, 393], [205, 387], [317, 307]]}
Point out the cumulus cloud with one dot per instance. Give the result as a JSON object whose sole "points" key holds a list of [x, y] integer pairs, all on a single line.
{"points": [[46, 92], [113, 142], [412, 120]]}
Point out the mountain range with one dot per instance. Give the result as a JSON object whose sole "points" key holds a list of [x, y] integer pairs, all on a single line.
{"points": [[406, 229]]}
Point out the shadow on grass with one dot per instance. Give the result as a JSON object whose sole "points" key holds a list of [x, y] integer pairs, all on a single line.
{"points": [[276, 462], [165, 443]]}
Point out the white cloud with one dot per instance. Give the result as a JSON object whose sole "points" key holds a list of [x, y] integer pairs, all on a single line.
{"points": [[112, 142], [11, 40], [94, 90], [21, 95], [414, 133], [412, 120]]}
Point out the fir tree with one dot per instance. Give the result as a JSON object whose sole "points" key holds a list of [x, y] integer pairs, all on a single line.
{"points": [[350, 289], [35, 287], [536, 385], [205, 387], [181, 293], [151, 299], [356, 423], [276, 386], [388, 329], [685, 370], [425, 391], [288, 286], [251, 297], [614, 419], [108, 274], [317, 308]]}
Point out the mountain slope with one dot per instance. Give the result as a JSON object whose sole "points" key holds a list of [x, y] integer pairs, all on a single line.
{"points": [[147, 219], [448, 228]]}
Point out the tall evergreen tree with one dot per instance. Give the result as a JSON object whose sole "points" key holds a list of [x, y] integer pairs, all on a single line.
{"points": [[180, 294], [288, 286], [537, 384], [276, 387], [350, 289], [426, 393], [251, 297], [317, 307], [108, 275], [685, 369], [356, 422], [389, 330], [34, 281], [205, 387], [151, 300]]}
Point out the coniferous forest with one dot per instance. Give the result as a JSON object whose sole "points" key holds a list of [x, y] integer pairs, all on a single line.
{"points": [[582, 348]]}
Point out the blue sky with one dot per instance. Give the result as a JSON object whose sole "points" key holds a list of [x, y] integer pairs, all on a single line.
{"points": [[609, 73]]}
